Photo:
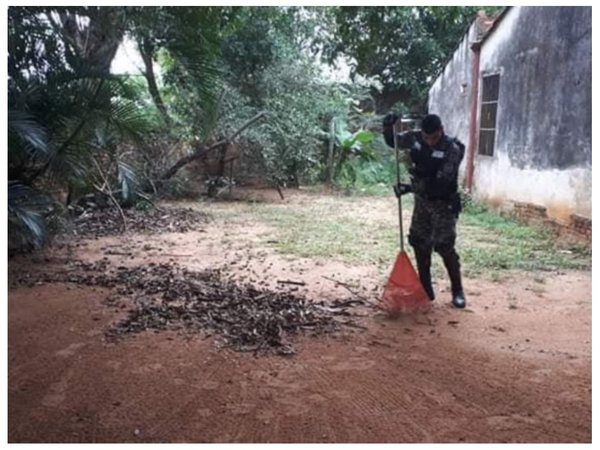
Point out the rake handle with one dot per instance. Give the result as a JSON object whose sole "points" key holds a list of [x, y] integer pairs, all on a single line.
{"points": [[398, 182]]}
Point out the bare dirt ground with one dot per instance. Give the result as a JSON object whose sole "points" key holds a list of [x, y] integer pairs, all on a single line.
{"points": [[514, 366]]}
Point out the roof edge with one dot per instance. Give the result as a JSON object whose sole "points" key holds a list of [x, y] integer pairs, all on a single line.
{"points": [[495, 25], [475, 46]]}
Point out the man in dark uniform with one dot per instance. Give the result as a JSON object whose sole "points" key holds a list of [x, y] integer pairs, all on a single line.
{"points": [[434, 162]]}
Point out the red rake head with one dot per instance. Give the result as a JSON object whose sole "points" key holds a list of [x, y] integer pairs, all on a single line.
{"points": [[403, 293]]}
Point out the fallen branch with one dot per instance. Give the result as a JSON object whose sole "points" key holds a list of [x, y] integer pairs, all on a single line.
{"points": [[112, 252], [200, 152], [348, 303], [347, 287], [297, 283], [352, 324]]}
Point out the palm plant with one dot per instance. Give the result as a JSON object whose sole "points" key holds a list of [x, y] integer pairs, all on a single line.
{"points": [[61, 114], [27, 209]]}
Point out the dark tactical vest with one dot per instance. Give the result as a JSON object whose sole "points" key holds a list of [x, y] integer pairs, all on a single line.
{"points": [[427, 162]]}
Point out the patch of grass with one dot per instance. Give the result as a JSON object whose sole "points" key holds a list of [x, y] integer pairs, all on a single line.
{"points": [[372, 190], [364, 230], [489, 241], [369, 190], [322, 231], [236, 216]]}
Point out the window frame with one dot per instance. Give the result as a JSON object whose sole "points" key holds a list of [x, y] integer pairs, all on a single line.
{"points": [[490, 95]]}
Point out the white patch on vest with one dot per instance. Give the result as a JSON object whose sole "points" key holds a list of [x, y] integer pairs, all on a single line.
{"points": [[417, 146], [438, 154]]}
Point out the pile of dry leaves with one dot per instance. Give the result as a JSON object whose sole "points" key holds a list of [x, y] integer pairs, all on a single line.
{"points": [[108, 221], [246, 318]]}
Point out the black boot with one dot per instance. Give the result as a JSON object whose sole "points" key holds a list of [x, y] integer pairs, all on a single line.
{"points": [[423, 258], [426, 282], [452, 263], [458, 299]]}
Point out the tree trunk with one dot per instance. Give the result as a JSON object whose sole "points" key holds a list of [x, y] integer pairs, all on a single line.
{"points": [[329, 167], [98, 42], [341, 161], [146, 53]]}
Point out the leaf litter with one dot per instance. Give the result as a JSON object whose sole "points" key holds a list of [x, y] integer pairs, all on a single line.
{"points": [[95, 222], [240, 316]]}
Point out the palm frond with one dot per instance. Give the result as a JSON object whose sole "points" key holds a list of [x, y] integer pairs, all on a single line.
{"points": [[127, 119], [195, 45], [27, 208], [86, 106], [26, 137]]}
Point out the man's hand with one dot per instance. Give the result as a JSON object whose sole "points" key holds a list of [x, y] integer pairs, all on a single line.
{"points": [[389, 120], [401, 188]]}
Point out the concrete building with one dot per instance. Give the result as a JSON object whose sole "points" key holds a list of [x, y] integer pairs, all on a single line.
{"points": [[517, 91]]}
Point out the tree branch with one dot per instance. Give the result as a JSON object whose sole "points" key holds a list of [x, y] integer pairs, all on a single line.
{"points": [[105, 189], [146, 53], [200, 152]]}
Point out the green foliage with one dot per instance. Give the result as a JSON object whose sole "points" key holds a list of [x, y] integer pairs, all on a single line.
{"points": [[353, 142], [292, 132], [269, 72], [134, 90], [186, 43], [371, 177], [402, 47], [349, 134], [66, 112], [57, 126], [29, 138], [27, 209], [258, 39]]}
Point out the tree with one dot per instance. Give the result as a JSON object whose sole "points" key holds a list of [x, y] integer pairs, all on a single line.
{"points": [[186, 41], [403, 48], [258, 39]]}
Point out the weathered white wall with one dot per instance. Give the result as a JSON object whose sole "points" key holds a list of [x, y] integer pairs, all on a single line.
{"points": [[562, 192], [450, 95], [543, 141]]}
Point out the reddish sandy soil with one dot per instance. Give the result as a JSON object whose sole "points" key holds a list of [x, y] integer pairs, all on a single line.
{"points": [[515, 366]]}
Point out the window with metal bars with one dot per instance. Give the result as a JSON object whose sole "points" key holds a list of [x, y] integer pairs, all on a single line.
{"points": [[489, 109]]}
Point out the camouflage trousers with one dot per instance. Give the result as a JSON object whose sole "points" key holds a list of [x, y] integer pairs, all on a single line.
{"points": [[433, 225]]}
